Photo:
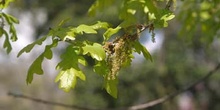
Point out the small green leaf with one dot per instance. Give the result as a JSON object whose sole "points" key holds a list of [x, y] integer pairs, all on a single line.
{"points": [[101, 68], [85, 29], [100, 25], [69, 59], [95, 50], [110, 32], [13, 32], [7, 43], [139, 48], [35, 68], [12, 18], [166, 18], [111, 87], [68, 78], [48, 52], [82, 61], [29, 47]]}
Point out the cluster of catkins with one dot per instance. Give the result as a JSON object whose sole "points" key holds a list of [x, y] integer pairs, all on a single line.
{"points": [[118, 54]]}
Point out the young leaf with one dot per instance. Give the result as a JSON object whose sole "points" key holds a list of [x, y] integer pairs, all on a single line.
{"points": [[110, 32], [111, 87], [101, 68], [7, 44], [35, 68], [36, 65], [139, 48], [69, 59], [68, 78], [166, 18], [100, 25], [95, 50], [85, 29]]}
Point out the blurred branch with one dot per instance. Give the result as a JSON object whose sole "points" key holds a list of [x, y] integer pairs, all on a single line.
{"points": [[170, 96], [47, 102], [135, 107]]}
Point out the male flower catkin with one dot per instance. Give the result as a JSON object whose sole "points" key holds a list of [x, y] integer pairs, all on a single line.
{"points": [[118, 54]]}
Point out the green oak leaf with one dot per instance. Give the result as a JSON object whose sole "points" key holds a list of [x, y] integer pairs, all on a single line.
{"points": [[101, 68], [166, 18], [35, 67], [100, 25], [69, 59], [10, 19], [110, 32], [68, 78], [111, 87], [139, 48], [7, 43], [85, 29], [95, 51]]}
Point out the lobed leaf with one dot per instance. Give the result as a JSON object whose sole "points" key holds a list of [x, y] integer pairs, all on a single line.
{"points": [[7, 43], [68, 78], [111, 87], [110, 32], [95, 51], [100, 25], [85, 29], [35, 67], [101, 68], [139, 48], [69, 59]]}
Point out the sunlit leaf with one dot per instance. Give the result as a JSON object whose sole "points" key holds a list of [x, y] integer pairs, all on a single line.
{"points": [[69, 59], [100, 25], [110, 32], [85, 29], [82, 61], [95, 50], [68, 78], [166, 18]]}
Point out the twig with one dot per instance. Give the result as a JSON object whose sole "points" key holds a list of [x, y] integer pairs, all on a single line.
{"points": [[170, 96], [135, 107], [47, 102]]}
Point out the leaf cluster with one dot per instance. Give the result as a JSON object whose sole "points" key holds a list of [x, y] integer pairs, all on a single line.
{"points": [[110, 56], [7, 19]]}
